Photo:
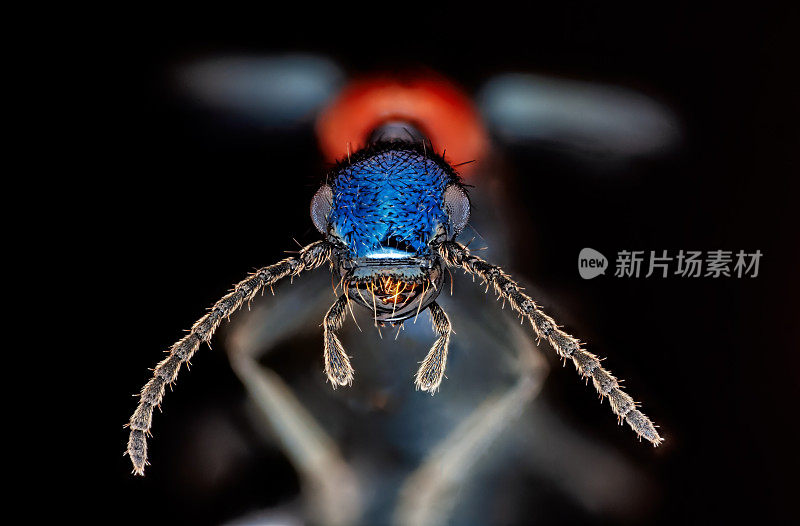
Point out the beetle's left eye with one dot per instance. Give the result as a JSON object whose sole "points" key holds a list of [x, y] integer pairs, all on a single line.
{"points": [[456, 203], [321, 206]]}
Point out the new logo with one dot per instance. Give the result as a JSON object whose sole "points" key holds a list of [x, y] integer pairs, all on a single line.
{"points": [[591, 263]]}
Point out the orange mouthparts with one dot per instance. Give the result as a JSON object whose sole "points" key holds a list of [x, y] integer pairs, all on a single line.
{"points": [[390, 290]]}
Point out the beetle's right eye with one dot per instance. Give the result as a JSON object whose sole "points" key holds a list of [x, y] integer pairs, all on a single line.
{"points": [[321, 206]]}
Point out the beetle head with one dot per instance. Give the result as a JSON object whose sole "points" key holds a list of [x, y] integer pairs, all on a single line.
{"points": [[386, 209]]}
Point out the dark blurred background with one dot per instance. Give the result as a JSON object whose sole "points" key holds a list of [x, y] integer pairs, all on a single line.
{"points": [[183, 206]]}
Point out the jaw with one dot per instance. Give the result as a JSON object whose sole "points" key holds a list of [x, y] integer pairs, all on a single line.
{"points": [[395, 289]]}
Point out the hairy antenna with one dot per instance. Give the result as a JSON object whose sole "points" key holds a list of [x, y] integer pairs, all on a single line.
{"points": [[567, 346], [166, 372]]}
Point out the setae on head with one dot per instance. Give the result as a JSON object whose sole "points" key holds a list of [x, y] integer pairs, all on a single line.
{"points": [[386, 208]]}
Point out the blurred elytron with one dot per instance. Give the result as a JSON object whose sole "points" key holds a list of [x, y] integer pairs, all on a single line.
{"points": [[393, 206]]}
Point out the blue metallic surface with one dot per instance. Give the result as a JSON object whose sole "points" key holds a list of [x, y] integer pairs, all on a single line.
{"points": [[389, 198]]}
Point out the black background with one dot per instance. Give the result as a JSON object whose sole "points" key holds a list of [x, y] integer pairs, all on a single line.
{"points": [[176, 209]]}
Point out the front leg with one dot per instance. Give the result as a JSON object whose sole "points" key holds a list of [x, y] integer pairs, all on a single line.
{"points": [[431, 371], [337, 364]]}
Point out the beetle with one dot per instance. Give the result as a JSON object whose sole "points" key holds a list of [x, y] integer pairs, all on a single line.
{"points": [[390, 214]]}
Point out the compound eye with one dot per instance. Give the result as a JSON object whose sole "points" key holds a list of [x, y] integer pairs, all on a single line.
{"points": [[321, 206], [456, 203]]}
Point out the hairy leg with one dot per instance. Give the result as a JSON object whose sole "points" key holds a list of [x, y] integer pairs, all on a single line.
{"points": [[567, 346], [337, 364], [431, 371], [166, 372]]}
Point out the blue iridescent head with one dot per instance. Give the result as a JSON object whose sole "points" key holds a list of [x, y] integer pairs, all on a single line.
{"points": [[386, 208]]}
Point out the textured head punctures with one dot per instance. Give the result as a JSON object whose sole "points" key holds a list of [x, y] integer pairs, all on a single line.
{"points": [[390, 196]]}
